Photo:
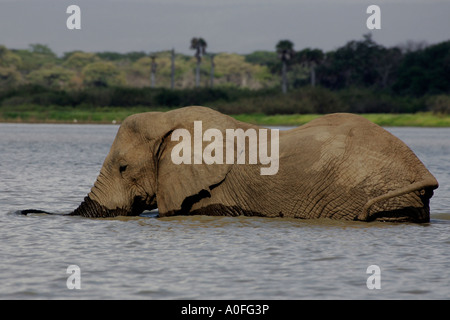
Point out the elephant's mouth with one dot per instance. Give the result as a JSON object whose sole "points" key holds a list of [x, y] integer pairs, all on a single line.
{"points": [[141, 204]]}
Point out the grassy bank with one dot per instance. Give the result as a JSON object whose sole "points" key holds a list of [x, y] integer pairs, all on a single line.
{"points": [[422, 119], [57, 114]]}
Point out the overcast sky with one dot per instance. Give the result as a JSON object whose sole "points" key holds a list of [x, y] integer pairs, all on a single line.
{"points": [[240, 26]]}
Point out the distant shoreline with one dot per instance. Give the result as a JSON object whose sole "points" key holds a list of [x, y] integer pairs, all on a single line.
{"points": [[117, 115]]}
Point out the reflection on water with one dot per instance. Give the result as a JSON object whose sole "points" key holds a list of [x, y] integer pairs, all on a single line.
{"points": [[52, 167]]}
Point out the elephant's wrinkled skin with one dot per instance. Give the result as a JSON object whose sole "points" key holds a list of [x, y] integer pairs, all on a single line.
{"points": [[339, 166]]}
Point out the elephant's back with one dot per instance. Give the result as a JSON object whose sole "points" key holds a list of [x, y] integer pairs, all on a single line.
{"points": [[348, 138], [351, 158]]}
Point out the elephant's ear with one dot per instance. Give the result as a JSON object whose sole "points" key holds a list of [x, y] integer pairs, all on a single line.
{"points": [[183, 177]]}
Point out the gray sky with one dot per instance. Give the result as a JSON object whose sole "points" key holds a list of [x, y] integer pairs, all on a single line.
{"points": [[240, 26]]}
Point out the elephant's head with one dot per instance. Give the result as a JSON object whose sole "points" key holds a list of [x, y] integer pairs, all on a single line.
{"points": [[138, 173]]}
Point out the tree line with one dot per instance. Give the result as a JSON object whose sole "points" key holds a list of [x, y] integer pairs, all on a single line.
{"points": [[412, 70]]}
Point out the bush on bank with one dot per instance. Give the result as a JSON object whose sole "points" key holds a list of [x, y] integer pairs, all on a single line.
{"points": [[230, 100]]}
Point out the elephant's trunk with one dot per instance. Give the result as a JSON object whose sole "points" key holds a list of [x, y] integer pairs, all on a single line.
{"points": [[92, 209], [28, 211], [87, 208]]}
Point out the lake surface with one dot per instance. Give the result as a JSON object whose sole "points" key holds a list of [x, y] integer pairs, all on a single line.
{"points": [[52, 167]]}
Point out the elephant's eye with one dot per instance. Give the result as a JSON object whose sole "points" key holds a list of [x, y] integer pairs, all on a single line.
{"points": [[122, 168]]}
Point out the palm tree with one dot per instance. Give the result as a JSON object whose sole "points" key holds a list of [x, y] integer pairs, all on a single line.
{"points": [[172, 69], [212, 70], [311, 58], [285, 50], [199, 45], [153, 70]]}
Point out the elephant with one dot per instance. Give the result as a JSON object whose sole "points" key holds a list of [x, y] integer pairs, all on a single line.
{"points": [[338, 166]]}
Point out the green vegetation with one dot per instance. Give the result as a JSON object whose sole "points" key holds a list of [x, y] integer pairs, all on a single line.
{"points": [[57, 114], [387, 120], [420, 119], [108, 115], [403, 85]]}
